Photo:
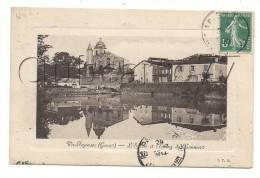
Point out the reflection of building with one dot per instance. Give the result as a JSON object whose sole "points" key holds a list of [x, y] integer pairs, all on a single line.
{"points": [[88, 123], [99, 118], [183, 117], [195, 120], [151, 114]]}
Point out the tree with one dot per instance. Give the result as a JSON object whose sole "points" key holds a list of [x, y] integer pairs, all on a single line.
{"points": [[63, 58], [42, 48]]}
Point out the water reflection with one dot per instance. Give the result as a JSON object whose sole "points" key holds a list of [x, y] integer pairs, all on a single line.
{"points": [[100, 116], [182, 117]]}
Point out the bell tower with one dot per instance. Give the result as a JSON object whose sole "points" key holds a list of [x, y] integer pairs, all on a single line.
{"points": [[89, 56]]}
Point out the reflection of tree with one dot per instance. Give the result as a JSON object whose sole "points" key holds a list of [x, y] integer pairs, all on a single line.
{"points": [[42, 129], [63, 116]]}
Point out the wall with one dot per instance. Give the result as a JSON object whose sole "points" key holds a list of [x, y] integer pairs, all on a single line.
{"points": [[186, 71], [215, 70], [139, 73], [220, 69], [216, 90]]}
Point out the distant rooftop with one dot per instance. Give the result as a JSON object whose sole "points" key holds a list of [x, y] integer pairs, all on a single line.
{"points": [[200, 59], [194, 59]]}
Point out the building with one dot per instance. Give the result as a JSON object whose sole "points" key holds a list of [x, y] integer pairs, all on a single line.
{"points": [[153, 70], [199, 67], [191, 69], [99, 56], [104, 67]]}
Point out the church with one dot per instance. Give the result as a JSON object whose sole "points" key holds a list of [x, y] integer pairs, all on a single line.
{"points": [[99, 57]]}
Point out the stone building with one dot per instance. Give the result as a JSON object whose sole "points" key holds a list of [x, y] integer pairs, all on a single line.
{"points": [[199, 67], [153, 70], [99, 56], [191, 69]]}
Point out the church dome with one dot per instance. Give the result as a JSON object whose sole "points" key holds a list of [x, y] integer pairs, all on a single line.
{"points": [[100, 44]]}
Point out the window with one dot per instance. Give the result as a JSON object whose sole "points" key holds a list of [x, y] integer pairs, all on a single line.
{"points": [[108, 61], [192, 68], [179, 118], [205, 67]]}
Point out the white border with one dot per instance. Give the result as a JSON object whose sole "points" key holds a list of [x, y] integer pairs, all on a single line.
{"points": [[75, 171]]}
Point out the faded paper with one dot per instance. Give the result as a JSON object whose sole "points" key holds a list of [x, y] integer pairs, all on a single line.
{"points": [[136, 123]]}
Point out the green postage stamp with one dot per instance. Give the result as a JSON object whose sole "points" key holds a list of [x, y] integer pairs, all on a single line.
{"points": [[235, 32]]}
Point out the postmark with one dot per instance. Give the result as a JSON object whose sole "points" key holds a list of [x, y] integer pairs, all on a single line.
{"points": [[235, 32], [210, 31], [160, 152]]}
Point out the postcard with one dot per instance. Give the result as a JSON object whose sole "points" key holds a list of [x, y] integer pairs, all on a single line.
{"points": [[132, 87]]}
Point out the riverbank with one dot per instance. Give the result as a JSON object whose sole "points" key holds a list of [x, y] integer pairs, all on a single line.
{"points": [[207, 90]]}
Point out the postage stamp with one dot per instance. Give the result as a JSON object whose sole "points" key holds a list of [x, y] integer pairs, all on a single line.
{"points": [[235, 32]]}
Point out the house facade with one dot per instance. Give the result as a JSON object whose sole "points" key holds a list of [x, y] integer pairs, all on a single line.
{"points": [[191, 69], [199, 67], [153, 70]]}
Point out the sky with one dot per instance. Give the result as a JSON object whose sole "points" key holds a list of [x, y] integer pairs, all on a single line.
{"points": [[133, 48]]}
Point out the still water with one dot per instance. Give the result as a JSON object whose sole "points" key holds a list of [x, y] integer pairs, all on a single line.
{"points": [[134, 117]]}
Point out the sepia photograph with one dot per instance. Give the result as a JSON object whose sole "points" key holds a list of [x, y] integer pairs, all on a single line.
{"points": [[91, 87]]}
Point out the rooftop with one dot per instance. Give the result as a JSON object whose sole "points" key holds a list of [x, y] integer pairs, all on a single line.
{"points": [[194, 59], [200, 59], [100, 44]]}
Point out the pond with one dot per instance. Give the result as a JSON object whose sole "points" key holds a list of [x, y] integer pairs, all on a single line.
{"points": [[133, 117]]}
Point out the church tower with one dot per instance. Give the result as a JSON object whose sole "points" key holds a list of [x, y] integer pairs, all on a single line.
{"points": [[100, 47], [89, 55]]}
